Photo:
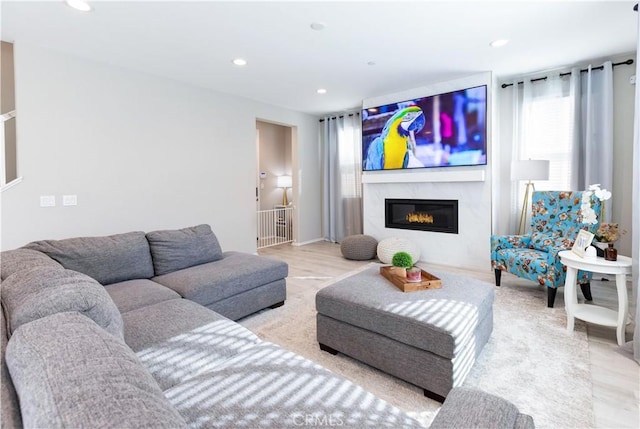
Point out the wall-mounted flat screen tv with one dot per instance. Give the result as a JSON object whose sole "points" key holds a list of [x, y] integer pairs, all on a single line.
{"points": [[443, 130]]}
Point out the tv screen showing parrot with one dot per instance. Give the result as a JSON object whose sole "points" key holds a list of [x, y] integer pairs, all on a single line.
{"points": [[437, 131]]}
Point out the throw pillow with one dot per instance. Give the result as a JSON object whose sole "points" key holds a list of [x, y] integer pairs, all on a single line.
{"points": [[174, 250], [109, 259]]}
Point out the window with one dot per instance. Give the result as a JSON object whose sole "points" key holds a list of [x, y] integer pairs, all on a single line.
{"points": [[550, 135]]}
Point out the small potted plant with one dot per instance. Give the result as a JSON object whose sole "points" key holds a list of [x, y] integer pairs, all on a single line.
{"points": [[401, 261]]}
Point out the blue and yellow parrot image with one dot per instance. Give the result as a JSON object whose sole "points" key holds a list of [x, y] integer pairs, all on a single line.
{"points": [[393, 148]]}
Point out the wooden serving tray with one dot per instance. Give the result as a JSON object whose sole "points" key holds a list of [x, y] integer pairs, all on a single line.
{"points": [[429, 281]]}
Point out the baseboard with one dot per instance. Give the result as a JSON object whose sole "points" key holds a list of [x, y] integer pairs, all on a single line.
{"points": [[295, 243]]}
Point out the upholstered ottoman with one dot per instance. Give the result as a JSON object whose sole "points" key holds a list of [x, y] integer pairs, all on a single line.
{"points": [[430, 338]]}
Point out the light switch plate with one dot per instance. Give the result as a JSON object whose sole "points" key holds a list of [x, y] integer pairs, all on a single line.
{"points": [[69, 200], [47, 201]]}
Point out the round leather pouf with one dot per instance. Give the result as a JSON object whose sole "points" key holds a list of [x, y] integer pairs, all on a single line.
{"points": [[359, 247], [390, 246]]}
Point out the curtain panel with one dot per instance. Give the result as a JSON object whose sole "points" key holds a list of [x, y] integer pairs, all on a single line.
{"points": [[568, 121], [340, 141]]}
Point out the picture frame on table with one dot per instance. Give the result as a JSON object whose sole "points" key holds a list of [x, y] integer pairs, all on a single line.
{"points": [[583, 241]]}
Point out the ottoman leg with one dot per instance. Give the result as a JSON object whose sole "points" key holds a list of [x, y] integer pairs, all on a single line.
{"points": [[328, 349], [429, 394], [498, 273], [276, 305]]}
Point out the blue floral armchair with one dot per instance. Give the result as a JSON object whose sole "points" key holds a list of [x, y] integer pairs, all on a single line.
{"points": [[555, 222]]}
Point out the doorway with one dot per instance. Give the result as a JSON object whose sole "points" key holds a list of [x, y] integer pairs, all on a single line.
{"points": [[275, 187]]}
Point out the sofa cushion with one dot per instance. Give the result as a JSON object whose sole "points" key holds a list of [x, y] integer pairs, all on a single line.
{"points": [[268, 386], [110, 259], [38, 292], [235, 273], [174, 250], [179, 339], [132, 294], [20, 259], [470, 408], [68, 372]]}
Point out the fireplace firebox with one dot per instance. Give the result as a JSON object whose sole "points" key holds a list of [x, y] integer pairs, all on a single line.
{"points": [[422, 215]]}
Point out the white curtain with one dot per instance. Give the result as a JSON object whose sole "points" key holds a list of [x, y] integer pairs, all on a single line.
{"points": [[568, 121], [592, 92], [341, 143], [543, 121]]}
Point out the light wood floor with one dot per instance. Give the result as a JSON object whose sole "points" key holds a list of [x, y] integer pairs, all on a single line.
{"points": [[615, 375]]}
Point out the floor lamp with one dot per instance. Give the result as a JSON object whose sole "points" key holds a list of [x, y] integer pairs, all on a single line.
{"points": [[528, 170]]}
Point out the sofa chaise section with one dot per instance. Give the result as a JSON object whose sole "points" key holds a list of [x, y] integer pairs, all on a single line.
{"points": [[235, 286]]}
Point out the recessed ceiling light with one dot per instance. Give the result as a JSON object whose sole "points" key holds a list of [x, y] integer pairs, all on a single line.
{"points": [[321, 91], [499, 43], [240, 62], [80, 5], [318, 26]]}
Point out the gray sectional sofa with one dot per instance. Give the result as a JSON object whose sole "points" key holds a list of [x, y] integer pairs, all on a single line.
{"points": [[137, 330]]}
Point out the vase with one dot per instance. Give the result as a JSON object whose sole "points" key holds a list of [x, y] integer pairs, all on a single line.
{"points": [[610, 253]]}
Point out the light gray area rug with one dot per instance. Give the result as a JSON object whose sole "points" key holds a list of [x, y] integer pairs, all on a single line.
{"points": [[530, 358]]}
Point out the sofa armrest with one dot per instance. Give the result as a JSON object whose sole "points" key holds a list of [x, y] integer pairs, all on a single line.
{"points": [[469, 408]]}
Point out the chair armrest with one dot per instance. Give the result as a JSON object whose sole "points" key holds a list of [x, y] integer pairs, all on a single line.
{"points": [[553, 245], [499, 242]]}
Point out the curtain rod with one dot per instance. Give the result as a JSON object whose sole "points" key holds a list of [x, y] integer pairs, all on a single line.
{"points": [[341, 116], [628, 62]]}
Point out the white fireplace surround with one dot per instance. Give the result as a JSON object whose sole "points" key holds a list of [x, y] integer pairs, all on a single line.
{"points": [[471, 186]]}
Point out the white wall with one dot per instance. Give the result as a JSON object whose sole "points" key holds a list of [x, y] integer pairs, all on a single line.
{"points": [[471, 186], [141, 153]]}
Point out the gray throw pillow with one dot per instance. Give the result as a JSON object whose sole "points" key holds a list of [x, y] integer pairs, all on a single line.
{"points": [[69, 373], [38, 292], [174, 250], [20, 259], [109, 259]]}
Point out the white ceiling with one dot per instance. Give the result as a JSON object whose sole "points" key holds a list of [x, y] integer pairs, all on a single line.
{"points": [[411, 43]]}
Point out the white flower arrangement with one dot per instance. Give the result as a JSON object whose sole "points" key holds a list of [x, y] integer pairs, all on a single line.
{"points": [[588, 214]]}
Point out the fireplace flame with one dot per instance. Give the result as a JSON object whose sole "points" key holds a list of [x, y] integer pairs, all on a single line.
{"points": [[417, 217]]}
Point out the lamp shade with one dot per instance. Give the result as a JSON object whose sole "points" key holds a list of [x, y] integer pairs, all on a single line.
{"points": [[530, 169], [284, 182]]}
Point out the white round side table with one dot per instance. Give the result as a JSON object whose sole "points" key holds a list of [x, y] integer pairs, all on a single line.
{"points": [[594, 313]]}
